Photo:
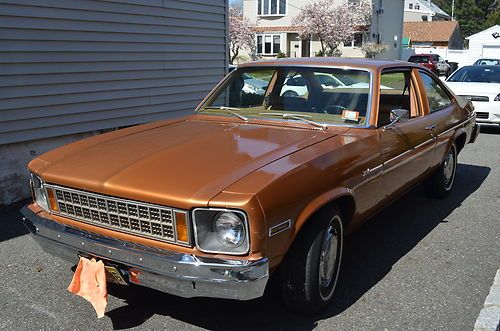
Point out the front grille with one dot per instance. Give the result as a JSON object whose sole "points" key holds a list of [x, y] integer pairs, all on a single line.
{"points": [[482, 115], [147, 220], [479, 98]]}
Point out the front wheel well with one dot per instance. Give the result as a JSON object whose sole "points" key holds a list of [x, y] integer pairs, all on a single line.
{"points": [[345, 203]]}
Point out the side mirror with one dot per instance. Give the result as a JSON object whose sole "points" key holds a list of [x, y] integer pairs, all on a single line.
{"points": [[397, 115]]}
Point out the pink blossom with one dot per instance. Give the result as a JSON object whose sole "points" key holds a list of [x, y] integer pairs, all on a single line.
{"points": [[241, 35], [333, 23]]}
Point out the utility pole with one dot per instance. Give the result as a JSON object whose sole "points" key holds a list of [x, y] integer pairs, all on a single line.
{"points": [[453, 10]]}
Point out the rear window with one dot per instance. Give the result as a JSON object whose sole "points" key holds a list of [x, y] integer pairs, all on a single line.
{"points": [[419, 59]]}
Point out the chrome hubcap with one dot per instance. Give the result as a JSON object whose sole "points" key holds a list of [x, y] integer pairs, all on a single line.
{"points": [[449, 168], [328, 257]]}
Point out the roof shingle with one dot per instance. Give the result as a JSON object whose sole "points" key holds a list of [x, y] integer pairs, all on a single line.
{"points": [[434, 31]]}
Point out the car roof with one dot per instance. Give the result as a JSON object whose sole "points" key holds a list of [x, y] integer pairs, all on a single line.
{"points": [[361, 63]]}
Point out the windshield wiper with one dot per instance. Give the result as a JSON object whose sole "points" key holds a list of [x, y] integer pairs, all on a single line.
{"points": [[229, 110], [299, 117]]}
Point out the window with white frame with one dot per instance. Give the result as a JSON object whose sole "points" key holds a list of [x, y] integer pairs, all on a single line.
{"points": [[268, 44], [356, 41], [417, 7], [410, 6], [271, 7]]}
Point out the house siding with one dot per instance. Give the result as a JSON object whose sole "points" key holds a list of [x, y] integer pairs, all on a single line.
{"points": [[69, 67]]}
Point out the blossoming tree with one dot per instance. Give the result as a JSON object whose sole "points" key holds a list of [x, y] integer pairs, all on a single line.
{"points": [[241, 35], [332, 22]]}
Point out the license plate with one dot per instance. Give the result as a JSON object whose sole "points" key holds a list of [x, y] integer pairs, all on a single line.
{"points": [[114, 275]]}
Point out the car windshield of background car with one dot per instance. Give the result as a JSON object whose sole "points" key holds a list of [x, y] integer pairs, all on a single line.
{"points": [[334, 96], [477, 74]]}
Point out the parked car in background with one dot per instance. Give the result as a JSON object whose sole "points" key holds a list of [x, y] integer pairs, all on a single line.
{"points": [[433, 62], [487, 62], [252, 185], [481, 85], [296, 86]]}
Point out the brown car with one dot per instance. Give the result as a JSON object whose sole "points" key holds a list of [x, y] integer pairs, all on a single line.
{"points": [[256, 182]]}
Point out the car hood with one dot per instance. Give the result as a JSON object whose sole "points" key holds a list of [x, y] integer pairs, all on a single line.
{"points": [[479, 89], [181, 164]]}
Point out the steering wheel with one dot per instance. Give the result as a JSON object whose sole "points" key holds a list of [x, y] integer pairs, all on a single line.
{"points": [[334, 109]]}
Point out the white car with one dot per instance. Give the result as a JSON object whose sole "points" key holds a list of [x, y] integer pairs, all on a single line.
{"points": [[480, 84], [296, 86]]}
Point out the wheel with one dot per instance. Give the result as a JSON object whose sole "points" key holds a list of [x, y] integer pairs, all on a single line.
{"points": [[439, 185], [308, 275], [290, 94]]}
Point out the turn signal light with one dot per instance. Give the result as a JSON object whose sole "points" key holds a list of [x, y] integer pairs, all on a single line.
{"points": [[52, 200], [181, 226]]}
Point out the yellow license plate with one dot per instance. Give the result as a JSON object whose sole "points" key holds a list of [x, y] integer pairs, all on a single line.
{"points": [[113, 275]]}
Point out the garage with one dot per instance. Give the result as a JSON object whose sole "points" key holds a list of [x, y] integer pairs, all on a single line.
{"points": [[491, 51], [484, 44]]}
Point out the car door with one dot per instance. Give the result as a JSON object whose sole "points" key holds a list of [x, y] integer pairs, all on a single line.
{"points": [[440, 106], [406, 146]]}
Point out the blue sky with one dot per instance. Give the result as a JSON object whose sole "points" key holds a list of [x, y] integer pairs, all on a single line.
{"points": [[238, 3]]}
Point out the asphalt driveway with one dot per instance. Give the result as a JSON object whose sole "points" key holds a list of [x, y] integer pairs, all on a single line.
{"points": [[421, 264]]}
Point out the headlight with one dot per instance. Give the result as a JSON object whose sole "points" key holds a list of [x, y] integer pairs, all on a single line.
{"points": [[221, 231], [39, 193], [229, 229], [497, 98]]}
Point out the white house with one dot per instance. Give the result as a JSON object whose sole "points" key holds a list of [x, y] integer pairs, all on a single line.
{"points": [[424, 11], [484, 44], [272, 20]]}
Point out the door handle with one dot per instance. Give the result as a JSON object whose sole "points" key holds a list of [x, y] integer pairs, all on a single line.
{"points": [[431, 127]]}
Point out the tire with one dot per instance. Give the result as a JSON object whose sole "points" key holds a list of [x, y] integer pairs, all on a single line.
{"points": [[309, 273], [440, 184], [290, 94]]}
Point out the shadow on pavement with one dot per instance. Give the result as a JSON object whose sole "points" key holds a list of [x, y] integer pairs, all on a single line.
{"points": [[490, 129], [370, 254], [11, 225]]}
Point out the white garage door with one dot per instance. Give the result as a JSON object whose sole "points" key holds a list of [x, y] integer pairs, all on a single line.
{"points": [[492, 52]]}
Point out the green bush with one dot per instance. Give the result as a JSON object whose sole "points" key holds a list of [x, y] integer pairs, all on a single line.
{"points": [[280, 55]]}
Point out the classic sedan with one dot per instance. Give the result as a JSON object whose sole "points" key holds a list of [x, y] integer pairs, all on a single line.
{"points": [[481, 85], [252, 185]]}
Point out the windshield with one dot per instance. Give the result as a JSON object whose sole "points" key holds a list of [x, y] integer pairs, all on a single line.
{"points": [[487, 62], [334, 96], [477, 74]]}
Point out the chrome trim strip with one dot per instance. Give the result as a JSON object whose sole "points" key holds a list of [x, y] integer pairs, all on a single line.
{"points": [[182, 274], [456, 126], [126, 202], [245, 222], [278, 228], [369, 171]]}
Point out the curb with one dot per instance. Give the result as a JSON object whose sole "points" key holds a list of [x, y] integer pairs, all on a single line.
{"points": [[489, 316]]}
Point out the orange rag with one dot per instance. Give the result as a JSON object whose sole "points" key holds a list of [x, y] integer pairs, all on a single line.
{"points": [[89, 282]]}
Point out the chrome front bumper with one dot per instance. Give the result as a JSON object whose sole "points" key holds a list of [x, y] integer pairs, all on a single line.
{"points": [[179, 274]]}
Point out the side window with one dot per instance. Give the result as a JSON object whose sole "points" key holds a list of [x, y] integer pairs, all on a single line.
{"points": [[436, 95], [396, 93]]}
